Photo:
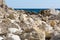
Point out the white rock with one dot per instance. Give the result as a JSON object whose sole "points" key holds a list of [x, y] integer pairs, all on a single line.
{"points": [[13, 21], [23, 17], [16, 17], [14, 30], [57, 28], [38, 22], [1, 38], [14, 37], [0, 20], [26, 39], [29, 21], [56, 31], [47, 27], [54, 12]]}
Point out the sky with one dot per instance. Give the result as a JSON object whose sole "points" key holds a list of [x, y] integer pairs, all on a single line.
{"points": [[33, 3]]}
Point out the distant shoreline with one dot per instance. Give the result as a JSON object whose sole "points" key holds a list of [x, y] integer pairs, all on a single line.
{"points": [[32, 10]]}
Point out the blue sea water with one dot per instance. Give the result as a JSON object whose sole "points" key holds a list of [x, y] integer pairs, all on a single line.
{"points": [[33, 10]]}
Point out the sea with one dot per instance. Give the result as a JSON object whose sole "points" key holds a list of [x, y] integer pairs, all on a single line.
{"points": [[32, 10]]}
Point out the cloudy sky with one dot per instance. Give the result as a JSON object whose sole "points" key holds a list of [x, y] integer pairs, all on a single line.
{"points": [[33, 3]]}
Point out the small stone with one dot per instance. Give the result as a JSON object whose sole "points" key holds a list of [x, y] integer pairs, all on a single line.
{"points": [[52, 23]]}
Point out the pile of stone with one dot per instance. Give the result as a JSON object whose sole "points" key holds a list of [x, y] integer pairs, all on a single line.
{"points": [[21, 25]]}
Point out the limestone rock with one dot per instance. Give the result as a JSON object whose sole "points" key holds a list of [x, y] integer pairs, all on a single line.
{"points": [[14, 30], [1, 38], [12, 37]]}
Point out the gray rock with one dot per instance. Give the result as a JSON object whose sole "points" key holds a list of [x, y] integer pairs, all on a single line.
{"points": [[57, 37]]}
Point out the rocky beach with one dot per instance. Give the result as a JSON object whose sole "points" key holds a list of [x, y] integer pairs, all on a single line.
{"points": [[24, 25]]}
